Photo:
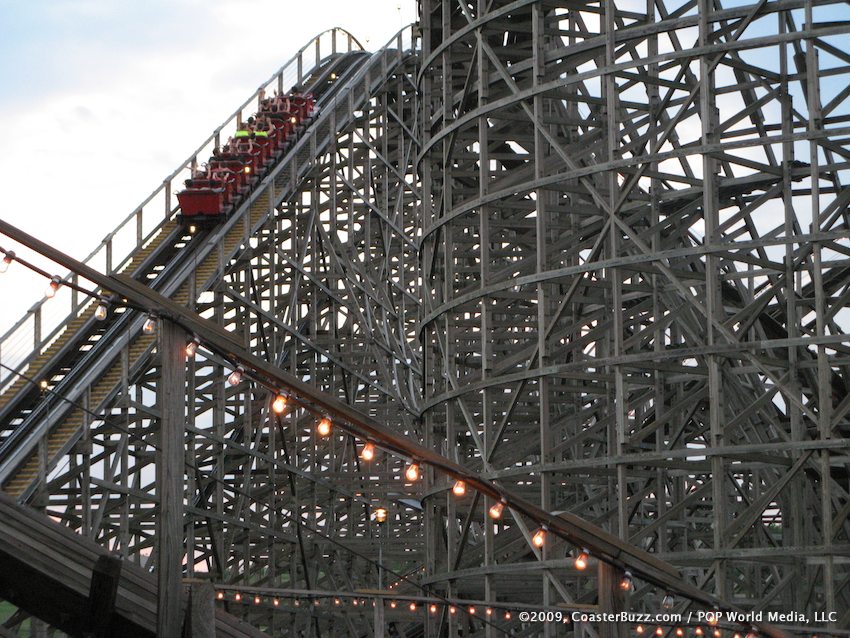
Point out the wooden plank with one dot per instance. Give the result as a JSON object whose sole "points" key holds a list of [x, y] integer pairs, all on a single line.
{"points": [[102, 595], [169, 479], [52, 573]]}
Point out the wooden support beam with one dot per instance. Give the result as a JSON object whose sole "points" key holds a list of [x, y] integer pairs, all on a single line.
{"points": [[102, 594], [572, 528], [45, 569], [611, 600], [200, 615], [169, 478]]}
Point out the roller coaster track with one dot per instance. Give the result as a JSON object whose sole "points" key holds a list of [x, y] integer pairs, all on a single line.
{"points": [[569, 250], [165, 262]]}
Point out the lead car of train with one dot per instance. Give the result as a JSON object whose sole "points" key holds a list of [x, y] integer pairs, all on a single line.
{"points": [[219, 186]]}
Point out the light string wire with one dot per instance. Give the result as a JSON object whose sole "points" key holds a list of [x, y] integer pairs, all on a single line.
{"points": [[401, 577], [11, 256]]}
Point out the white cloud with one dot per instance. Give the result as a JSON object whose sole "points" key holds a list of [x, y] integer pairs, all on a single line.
{"points": [[109, 97]]}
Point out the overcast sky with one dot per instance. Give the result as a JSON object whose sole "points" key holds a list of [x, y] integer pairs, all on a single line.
{"points": [[101, 99]]}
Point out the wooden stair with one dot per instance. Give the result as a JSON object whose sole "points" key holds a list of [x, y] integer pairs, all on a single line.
{"points": [[148, 249], [37, 364], [72, 327], [73, 422]]}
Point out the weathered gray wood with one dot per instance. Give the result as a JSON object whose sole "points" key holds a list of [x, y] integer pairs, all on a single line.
{"points": [[48, 570], [103, 592], [169, 478], [612, 600], [200, 616]]}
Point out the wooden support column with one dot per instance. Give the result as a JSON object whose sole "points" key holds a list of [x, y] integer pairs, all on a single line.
{"points": [[379, 618], [611, 601], [102, 594], [200, 615], [169, 478]]}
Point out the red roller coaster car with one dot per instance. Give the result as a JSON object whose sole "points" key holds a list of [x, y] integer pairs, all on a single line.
{"points": [[215, 190]]}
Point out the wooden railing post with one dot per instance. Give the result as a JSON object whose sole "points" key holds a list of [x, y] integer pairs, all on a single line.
{"points": [[36, 328]]}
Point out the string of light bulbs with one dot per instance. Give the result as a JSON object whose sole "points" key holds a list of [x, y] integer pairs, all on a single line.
{"points": [[55, 282], [412, 472], [278, 599], [325, 424], [191, 466]]}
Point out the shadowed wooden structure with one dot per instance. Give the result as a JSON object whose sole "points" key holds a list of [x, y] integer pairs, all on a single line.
{"points": [[76, 585], [590, 258]]}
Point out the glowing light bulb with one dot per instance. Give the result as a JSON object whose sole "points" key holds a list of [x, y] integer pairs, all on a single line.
{"points": [[698, 631], [472, 611], [192, 348], [412, 607], [237, 597], [7, 259], [381, 515], [626, 583], [659, 631], [43, 384], [257, 600], [355, 602], [433, 609], [582, 560], [639, 629], [52, 287], [368, 452], [247, 169], [496, 510], [293, 119], [276, 602], [192, 229], [324, 427], [236, 376], [539, 538], [508, 615], [220, 595], [489, 611], [459, 488], [393, 604], [412, 472], [149, 326], [717, 634], [333, 76], [452, 610], [101, 311], [337, 602], [279, 404], [680, 631]]}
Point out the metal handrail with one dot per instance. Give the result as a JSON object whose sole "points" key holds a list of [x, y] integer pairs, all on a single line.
{"points": [[24, 437], [36, 330]]}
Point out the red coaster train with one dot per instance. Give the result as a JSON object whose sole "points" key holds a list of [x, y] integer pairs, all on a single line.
{"points": [[216, 189]]}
